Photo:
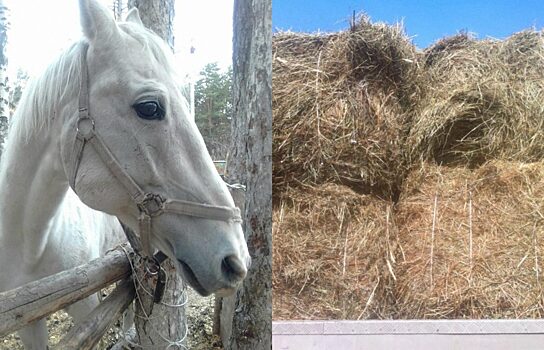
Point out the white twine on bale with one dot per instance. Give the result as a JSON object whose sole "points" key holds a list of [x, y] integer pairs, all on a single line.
{"points": [[178, 344]]}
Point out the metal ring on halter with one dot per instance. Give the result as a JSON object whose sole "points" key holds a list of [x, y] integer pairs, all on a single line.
{"points": [[152, 204], [85, 127], [151, 266]]}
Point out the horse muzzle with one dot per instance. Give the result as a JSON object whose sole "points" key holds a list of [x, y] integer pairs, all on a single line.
{"points": [[232, 273]]}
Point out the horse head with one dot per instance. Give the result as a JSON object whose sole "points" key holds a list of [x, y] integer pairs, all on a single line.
{"points": [[133, 104]]}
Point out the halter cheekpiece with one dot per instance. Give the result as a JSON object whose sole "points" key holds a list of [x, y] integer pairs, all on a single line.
{"points": [[149, 204]]}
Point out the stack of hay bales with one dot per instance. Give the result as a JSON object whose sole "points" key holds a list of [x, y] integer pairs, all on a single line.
{"points": [[341, 103], [476, 148], [442, 153]]}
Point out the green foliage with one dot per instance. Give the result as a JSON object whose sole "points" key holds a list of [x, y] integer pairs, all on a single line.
{"points": [[16, 90], [213, 108]]}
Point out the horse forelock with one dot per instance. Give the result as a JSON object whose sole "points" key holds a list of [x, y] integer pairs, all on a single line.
{"points": [[152, 43]]}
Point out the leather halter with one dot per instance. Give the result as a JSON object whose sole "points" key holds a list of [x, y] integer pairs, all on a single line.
{"points": [[149, 204]]}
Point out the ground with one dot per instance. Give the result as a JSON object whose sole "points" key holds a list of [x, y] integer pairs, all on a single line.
{"points": [[199, 315]]}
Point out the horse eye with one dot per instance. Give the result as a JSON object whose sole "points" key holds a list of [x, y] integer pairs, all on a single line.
{"points": [[149, 110]]}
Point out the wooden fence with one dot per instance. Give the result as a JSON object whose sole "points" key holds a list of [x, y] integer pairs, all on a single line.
{"points": [[35, 300]]}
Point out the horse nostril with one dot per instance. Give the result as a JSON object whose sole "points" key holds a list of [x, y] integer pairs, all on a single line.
{"points": [[233, 269]]}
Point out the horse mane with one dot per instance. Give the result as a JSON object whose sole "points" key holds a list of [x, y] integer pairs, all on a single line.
{"points": [[60, 82], [45, 93]]}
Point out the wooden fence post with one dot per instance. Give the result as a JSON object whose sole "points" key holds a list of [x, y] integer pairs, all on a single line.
{"points": [[163, 324]]}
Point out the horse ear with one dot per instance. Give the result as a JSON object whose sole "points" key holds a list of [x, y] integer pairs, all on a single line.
{"points": [[96, 20], [133, 16]]}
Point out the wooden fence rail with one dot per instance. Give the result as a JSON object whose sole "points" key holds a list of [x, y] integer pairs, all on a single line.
{"points": [[28, 303], [87, 334]]}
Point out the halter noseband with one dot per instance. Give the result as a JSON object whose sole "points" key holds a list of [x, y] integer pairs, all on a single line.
{"points": [[150, 205]]}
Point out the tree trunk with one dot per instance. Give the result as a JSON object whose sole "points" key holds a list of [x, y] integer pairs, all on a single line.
{"points": [[157, 15], [118, 9], [246, 318], [210, 116], [4, 100], [162, 324]]}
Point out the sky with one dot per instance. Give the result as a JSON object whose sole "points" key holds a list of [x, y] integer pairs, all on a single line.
{"points": [[425, 20], [41, 29]]}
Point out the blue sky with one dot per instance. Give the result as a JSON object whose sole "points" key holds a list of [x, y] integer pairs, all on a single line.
{"points": [[424, 20]]}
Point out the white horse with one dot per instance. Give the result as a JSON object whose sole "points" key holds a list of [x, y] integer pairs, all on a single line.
{"points": [[131, 103]]}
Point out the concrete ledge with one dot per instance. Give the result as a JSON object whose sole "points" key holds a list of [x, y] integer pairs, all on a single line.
{"points": [[409, 334]]}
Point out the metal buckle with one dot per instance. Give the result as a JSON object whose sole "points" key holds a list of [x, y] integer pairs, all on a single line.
{"points": [[152, 204], [85, 127]]}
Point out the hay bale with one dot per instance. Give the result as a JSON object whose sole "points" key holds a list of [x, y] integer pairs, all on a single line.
{"points": [[331, 249], [446, 46], [341, 104], [485, 257], [482, 101], [522, 52]]}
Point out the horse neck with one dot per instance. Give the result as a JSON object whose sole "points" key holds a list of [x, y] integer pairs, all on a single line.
{"points": [[33, 186]]}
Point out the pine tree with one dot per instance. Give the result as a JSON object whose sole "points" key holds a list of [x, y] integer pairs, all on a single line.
{"points": [[16, 90], [213, 108]]}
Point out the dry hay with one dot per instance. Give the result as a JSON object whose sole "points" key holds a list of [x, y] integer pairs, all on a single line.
{"points": [[367, 122], [482, 100], [341, 103], [331, 249], [484, 257]]}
